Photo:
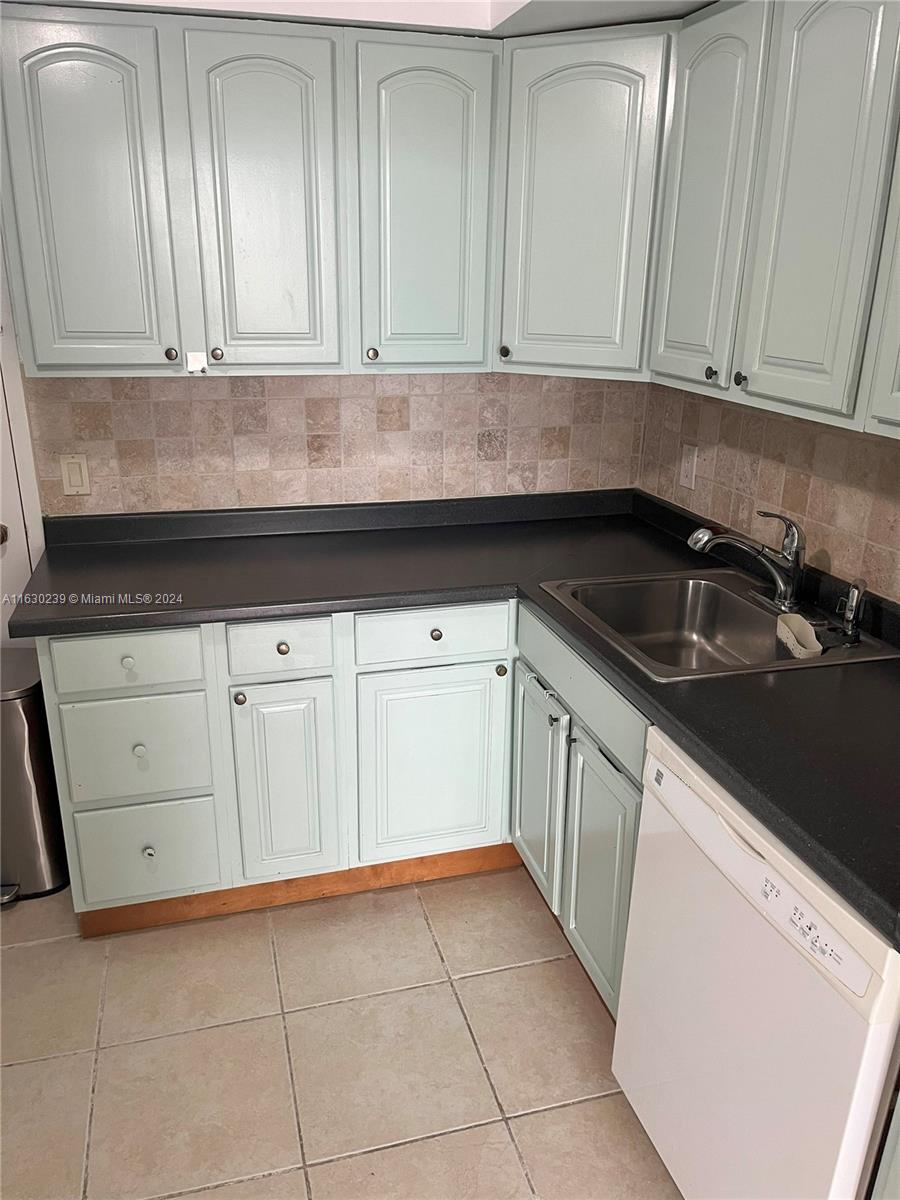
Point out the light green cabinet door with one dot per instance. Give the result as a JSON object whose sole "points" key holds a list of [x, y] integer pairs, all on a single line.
{"points": [[585, 124], [601, 827], [880, 385], [263, 130], [86, 197], [424, 107], [718, 100], [827, 149], [433, 754], [540, 753], [284, 749]]}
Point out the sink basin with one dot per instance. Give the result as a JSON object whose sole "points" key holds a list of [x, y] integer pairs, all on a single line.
{"points": [[714, 622]]}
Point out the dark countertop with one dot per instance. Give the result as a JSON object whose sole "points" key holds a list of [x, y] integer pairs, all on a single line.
{"points": [[813, 754]]}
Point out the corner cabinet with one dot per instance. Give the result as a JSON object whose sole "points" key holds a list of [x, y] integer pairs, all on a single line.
{"points": [[881, 368], [584, 132]]}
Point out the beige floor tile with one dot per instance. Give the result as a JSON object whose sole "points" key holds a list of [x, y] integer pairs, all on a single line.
{"points": [[353, 945], [544, 1033], [592, 1151], [382, 1069], [474, 1164], [45, 1112], [191, 1110], [42, 917], [50, 997], [288, 1185], [189, 976], [488, 921]]}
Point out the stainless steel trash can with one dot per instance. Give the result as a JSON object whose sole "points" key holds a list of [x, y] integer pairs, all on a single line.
{"points": [[31, 838]]}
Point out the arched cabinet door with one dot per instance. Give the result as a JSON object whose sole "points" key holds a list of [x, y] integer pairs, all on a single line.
{"points": [[424, 134], [584, 128], [718, 99], [880, 384], [86, 194], [262, 117]]}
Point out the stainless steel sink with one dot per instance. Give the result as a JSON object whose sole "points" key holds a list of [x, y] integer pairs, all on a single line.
{"points": [[714, 622]]}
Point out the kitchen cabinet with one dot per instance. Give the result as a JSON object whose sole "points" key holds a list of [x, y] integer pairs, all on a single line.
{"points": [[85, 196], [601, 828], [284, 751], [433, 746], [880, 384], [540, 753], [263, 122], [584, 131], [717, 107], [424, 111]]}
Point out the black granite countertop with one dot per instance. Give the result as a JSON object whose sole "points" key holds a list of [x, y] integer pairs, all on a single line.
{"points": [[814, 754]]}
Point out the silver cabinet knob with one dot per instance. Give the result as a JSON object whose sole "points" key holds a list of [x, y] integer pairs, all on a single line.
{"points": [[551, 720], [283, 648], [139, 751], [240, 697], [710, 373], [171, 354], [149, 852], [501, 670], [505, 352], [436, 635], [127, 662], [371, 354], [217, 354]]}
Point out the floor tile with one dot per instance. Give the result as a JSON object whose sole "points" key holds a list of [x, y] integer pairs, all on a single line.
{"points": [[188, 976], [45, 1113], [597, 1149], [487, 921], [42, 917], [287, 1185], [383, 1069], [51, 997], [544, 1032], [474, 1164], [191, 1110], [353, 945]]}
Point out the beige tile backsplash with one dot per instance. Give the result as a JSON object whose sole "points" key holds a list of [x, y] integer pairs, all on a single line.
{"points": [[323, 439]]}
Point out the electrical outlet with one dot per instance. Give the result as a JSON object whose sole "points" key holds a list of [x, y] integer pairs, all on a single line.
{"points": [[75, 478], [688, 473]]}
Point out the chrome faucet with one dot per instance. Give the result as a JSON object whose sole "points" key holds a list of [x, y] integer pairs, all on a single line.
{"points": [[784, 565]]}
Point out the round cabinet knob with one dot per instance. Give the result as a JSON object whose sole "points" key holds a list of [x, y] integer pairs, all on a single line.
{"points": [[240, 698], [505, 351], [371, 354], [149, 852], [551, 720], [139, 751], [127, 662], [501, 671], [217, 354], [710, 373], [283, 648], [739, 378], [436, 635], [171, 354]]}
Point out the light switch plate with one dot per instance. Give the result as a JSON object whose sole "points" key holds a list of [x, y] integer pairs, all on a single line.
{"points": [[75, 478], [688, 473]]}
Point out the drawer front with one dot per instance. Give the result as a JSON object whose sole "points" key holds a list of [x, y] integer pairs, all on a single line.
{"points": [[277, 646], [614, 722], [143, 849], [432, 633], [127, 660], [136, 746]]}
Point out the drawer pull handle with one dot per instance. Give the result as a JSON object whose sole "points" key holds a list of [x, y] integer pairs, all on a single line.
{"points": [[240, 698], [149, 852], [501, 670], [127, 662], [436, 635], [139, 751], [283, 648]]}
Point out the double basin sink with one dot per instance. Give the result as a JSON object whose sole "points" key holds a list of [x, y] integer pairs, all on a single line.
{"points": [[714, 622]]}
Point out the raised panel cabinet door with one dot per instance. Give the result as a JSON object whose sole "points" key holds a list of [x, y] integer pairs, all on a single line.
{"points": [[284, 750], [425, 128], [585, 122], [718, 100], [880, 384], [433, 750], [540, 753], [601, 826], [819, 204], [263, 130], [87, 196]]}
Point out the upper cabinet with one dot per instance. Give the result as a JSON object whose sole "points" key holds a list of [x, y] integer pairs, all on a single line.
{"points": [[424, 138], [584, 129], [718, 99], [263, 128], [86, 193], [881, 367]]}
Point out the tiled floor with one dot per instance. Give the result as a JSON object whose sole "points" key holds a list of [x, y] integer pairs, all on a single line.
{"points": [[436, 1042]]}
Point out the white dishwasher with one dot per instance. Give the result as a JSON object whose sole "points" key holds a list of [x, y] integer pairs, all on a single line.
{"points": [[758, 1013]]}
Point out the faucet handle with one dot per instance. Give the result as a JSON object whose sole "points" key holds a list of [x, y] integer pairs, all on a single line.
{"points": [[794, 542]]}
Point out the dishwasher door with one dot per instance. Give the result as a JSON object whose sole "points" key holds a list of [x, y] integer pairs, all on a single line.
{"points": [[753, 1038]]}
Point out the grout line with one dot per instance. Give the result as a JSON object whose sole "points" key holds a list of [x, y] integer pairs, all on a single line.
{"points": [[155, 1037], [24, 1062], [287, 1050], [95, 1069], [534, 962], [223, 1183], [48, 941], [406, 987], [413, 1141], [530, 1112]]}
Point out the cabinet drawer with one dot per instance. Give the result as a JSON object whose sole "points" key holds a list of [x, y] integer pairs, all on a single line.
{"points": [[136, 746], [270, 646], [143, 849], [432, 633], [127, 660]]}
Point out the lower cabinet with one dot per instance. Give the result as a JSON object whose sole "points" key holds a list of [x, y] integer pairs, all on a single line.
{"points": [[284, 751], [432, 759]]}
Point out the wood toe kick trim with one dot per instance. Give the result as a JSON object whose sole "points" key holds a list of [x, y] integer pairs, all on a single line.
{"points": [[150, 913]]}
